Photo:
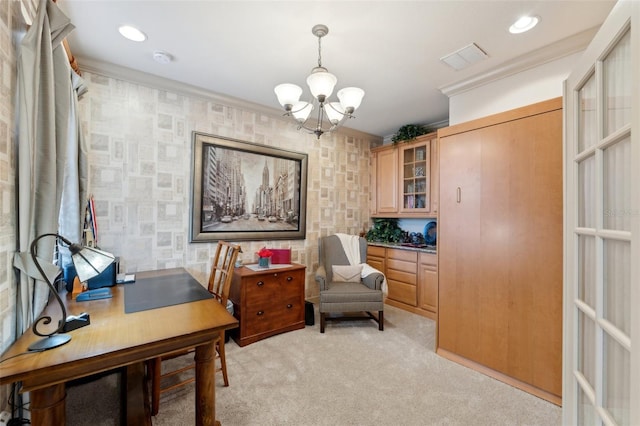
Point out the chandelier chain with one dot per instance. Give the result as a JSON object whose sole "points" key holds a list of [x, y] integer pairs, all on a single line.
{"points": [[320, 52]]}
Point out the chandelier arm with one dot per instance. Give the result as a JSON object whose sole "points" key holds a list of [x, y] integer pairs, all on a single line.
{"points": [[318, 130], [315, 130], [291, 111], [344, 114]]}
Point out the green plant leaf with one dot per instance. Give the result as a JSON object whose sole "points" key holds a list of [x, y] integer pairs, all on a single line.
{"points": [[409, 132]]}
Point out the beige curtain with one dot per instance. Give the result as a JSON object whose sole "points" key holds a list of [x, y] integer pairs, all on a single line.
{"points": [[46, 130]]}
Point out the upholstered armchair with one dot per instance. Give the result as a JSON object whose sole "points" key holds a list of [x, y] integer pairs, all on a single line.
{"points": [[347, 283]]}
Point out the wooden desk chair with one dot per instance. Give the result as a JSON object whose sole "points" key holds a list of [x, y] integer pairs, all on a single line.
{"points": [[219, 285]]}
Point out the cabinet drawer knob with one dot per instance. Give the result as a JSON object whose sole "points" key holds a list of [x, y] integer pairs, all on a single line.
{"points": [[289, 278], [260, 283], [260, 313], [289, 306]]}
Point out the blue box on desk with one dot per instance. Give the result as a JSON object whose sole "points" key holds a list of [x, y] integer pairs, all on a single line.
{"points": [[106, 279]]}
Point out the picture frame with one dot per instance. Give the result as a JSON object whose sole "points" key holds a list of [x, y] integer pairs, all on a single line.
{"points": [[243, 191]]}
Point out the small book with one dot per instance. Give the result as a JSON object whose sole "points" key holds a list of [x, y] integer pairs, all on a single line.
{"points": [[125, 278]]}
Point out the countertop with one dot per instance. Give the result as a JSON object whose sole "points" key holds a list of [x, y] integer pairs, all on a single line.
{"points": [[401, 246]]}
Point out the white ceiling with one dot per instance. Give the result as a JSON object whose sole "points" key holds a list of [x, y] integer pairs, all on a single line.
{"points": [[391, 49]]}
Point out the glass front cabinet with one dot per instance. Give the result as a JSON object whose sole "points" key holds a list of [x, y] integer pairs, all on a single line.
{"points": [[416, 161]]}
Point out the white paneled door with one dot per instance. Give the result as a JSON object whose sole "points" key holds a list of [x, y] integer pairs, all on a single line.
{"points": [[601, 363]]}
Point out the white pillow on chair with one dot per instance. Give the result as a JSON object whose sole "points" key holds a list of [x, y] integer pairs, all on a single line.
{"points": [[347, 273]]}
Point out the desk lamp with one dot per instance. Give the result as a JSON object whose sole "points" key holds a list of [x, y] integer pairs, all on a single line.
{"points": [[89, 262]]}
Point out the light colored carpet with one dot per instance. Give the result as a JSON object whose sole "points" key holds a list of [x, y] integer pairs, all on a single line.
{"points": [[352, 374]]}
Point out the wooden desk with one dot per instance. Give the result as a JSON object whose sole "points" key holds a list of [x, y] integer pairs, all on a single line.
{"points": [[115, 339]]}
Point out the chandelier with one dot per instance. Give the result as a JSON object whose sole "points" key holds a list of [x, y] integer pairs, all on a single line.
{"points": [[321, 83]]}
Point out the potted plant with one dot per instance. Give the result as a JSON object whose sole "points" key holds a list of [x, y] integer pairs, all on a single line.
{"points": [[264, 257], [409, 132], [385, 231]]}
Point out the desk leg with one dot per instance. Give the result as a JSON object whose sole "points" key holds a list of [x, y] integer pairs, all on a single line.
{"points": [[205, 384], [48, 405]]}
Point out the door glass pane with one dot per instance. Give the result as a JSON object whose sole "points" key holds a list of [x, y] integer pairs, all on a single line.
{"points": [[617, 186], [617, 370], [617, 284], [586, 412], [587, 269], [586, 193], [586, 345], [617, 87], [587, 119]]}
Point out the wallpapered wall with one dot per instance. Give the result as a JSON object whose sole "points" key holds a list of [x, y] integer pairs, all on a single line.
{"points": [[139, 141], [140, 146]]}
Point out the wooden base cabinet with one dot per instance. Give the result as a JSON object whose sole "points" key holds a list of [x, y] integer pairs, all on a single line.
{"points": [[401, 272], [500, 247], [376, 257], [267, 302], [412, 278], [428, 282]]}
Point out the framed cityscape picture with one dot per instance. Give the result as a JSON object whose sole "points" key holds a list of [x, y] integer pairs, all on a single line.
{"points": [[246, 191]]}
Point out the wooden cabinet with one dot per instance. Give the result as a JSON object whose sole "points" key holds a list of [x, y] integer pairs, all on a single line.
{"points": [[500, 247], [412, 278], [267, 302], [376, 257], [401, 272], [404, 178], [386, 181], [428, 282]]}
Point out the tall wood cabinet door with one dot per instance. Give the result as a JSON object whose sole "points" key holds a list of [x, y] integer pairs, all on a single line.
{"points": [[532, 286], [387, 181], [520, 305], [458, 243]]}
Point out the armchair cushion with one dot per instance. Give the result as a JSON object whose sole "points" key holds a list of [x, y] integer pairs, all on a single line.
{"points": [[347, 273], [350, 297]]}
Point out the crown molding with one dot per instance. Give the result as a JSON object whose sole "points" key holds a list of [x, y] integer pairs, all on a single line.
{"points": [[107, 69], [565, 47]]}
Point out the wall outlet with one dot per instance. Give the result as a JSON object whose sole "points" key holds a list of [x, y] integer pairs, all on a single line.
{"points": [[5, 416]]}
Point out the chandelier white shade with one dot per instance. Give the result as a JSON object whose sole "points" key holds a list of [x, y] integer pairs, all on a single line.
{"points": [[321, 85]]}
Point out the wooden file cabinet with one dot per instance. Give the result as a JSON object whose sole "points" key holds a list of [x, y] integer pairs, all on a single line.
{"points": [[267, 302]]}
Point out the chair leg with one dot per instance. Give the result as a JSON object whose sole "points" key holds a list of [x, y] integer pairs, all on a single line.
{"points": [[155, 367], [223, 359], [322, 322], [380, 320]]}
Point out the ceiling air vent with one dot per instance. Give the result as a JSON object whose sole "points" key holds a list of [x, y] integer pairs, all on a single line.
{"points": [[464, 57]]}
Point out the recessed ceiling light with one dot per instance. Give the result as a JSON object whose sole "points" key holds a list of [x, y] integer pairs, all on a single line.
{"points": [[523, 24], [132, 33]]}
